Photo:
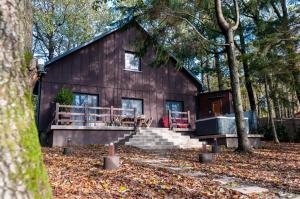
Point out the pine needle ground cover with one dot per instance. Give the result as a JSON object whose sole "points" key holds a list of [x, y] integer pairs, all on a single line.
{"points": [[80, 174]]}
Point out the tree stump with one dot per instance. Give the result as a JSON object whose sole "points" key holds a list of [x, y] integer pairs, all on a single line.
{"points": [[67, 150], [112, 161], [216, 148], [205, 157]]}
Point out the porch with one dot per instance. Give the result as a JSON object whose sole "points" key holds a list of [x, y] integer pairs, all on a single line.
{"points": [[103, 125]]}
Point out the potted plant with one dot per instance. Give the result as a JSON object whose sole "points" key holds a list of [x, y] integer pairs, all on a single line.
{"points": [[65, 97]]}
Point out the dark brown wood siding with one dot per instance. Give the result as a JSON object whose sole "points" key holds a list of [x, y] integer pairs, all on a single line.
{"points": [[99, 69]]}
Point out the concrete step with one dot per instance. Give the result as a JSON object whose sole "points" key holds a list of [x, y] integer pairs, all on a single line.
{"points": [[162, 138], [132, 142], [157, 147], [125, 138]]}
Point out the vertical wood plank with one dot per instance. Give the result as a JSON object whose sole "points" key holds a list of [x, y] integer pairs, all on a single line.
{"points": [[56, 113]]}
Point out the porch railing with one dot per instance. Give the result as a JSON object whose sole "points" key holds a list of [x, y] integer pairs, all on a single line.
{"points": [[87, 115], [179, 119]]}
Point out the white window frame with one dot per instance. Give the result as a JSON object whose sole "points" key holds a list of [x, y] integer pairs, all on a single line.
{"points": [[129, 66]]}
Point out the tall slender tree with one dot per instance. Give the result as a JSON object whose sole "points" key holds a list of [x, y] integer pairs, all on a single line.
{"points": [[248, 81], [270, 109], [228, 32]]}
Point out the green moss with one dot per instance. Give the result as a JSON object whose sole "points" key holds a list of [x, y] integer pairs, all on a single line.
{"points": [[35, 175], [27, 57], [32, 170], [38, 178]]}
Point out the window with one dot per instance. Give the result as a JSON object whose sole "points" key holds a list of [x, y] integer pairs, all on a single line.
{"points": [[132, 103], [132, 62], [85, 100], [174, 106]]}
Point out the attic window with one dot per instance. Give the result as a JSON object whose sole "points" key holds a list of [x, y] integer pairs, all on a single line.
{"points": [[132, 62]]}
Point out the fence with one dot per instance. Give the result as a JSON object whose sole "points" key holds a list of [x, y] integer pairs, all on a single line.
{"points": [[292, 126]]}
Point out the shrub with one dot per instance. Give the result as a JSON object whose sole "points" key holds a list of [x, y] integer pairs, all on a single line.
{"points": [[281, 132], [64, 96]]}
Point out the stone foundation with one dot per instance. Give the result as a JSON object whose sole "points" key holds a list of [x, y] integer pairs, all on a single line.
{"points": [[86, 135]]}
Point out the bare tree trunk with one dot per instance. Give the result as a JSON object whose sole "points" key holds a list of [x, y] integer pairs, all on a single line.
{"points": [[227, 30], [248, 82], [273, 95], [296, 76], [291, 50], [270, 110], [208, 82], [22, 174], [218, 70], [281, 110], [208, 76], [202, 78]]}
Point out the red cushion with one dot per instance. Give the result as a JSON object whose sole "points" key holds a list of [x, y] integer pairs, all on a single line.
{"points": [[184, 126], [165, 121]]}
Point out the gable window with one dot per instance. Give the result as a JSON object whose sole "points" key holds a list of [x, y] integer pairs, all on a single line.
{"points": [[132, 62], [128, 103]]}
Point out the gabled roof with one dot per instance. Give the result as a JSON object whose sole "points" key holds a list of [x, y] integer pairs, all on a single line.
{"points": [[117, 26]]}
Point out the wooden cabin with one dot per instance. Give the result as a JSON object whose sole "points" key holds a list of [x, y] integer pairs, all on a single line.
{"points": [[106, 72]]}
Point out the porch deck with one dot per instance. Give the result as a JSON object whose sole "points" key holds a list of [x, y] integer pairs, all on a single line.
{"points": [[76, 127], [100, 125]]}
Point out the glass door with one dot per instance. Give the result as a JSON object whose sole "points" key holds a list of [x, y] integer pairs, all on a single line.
{"points": [[174, 106]]}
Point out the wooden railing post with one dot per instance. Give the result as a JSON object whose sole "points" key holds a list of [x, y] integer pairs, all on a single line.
{"points": [[85, 115], [189, 117], [134, 117], [111, 114], [56, 113], [170, 118]]}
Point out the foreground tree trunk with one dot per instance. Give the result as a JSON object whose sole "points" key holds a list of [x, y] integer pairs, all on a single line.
{"points": [[22, 174], [227, 30], [270, 110]]}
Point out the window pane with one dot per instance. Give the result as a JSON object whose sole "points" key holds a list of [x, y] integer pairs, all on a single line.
{"points": [[132, 62], [174, 106], [85, 100], [130, 104]]}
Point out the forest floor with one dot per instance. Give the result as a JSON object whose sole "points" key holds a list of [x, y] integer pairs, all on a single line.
{"points": [[173, 173]]}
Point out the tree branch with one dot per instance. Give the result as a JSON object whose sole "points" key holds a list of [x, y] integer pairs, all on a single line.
{"points": [[221, 20], [193, 26], [276, 10], [237, 12]]}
